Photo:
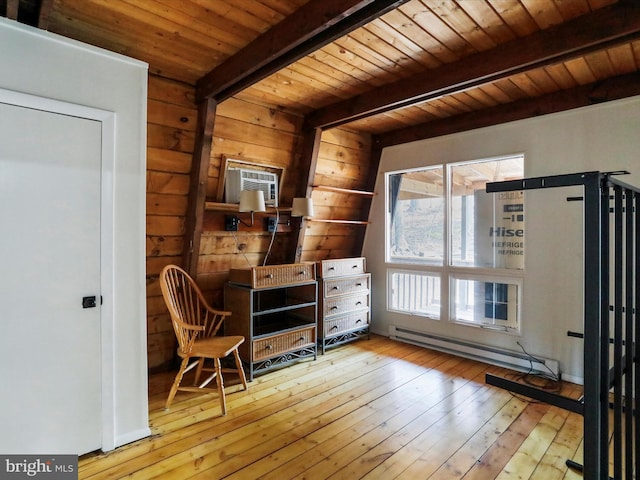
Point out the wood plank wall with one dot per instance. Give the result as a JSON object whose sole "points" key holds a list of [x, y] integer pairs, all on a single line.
{"points": [[249, 130]]}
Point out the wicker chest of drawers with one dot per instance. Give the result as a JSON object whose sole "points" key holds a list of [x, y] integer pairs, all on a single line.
{"points": [[344, 301], [275, 309]]}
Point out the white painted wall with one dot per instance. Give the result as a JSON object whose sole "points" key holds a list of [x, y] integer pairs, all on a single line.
{"points": [[605, 138], [38, 63]]}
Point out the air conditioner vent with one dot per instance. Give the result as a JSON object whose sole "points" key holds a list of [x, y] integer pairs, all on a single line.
{"points": [[239, 179]]}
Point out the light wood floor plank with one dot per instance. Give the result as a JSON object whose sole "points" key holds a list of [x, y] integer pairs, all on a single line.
{"points": [[375, 409], [529, 456]]}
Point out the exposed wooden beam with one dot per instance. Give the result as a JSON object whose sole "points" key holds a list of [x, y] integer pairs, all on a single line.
{"points": [[198, 185], [605, 27], [614, 88], [43, 15], [314, 25], [308, 163], [12, 9]]}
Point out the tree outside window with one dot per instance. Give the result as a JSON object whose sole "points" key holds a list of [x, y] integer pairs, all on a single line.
{"points": [[455, 251]]}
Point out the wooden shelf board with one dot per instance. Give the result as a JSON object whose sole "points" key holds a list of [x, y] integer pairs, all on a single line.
{"points": [[233, 208], [343, 190], [350, 222]]}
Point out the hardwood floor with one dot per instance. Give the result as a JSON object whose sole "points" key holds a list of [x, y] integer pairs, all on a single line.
{"points": [[374, 409]]}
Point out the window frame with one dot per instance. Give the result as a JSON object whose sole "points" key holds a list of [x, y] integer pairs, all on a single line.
{"points": [[446, 270]]}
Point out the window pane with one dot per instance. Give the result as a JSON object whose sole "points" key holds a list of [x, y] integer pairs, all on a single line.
{"points": [[415, 292], [485, 303], [487, 229], [416, 207]]}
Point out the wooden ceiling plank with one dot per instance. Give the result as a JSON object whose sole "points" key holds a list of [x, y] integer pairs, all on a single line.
{"points": [[470, 100], [541, 78], [600, 64], [423, 16], [284, 7], [580, 70], [526, 84], [327, 80], [623, 60], [391, 57], [635, 46], [544, 12], [563, 78], [570, 10], [339, 79], [510, 89], [229, 10], [102, 25], [596, 4], [404, 25], [261, 10], [312, 26], [607, 27], [150, 19], [515, 15], [494, 92], [482, 97], [381, 65], [357, 67], [12, 9], [44, 13], [459, 21], [593, 93], [488, 20], [202, 20], [404, 45]]}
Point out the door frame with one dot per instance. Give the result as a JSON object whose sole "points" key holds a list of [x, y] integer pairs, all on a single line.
{"points": [[107, 197]]}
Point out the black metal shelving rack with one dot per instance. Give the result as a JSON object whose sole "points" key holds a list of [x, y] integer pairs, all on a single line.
{"points": [[611, 287]]}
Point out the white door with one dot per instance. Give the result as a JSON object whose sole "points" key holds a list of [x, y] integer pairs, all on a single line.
{"points": [[50, 178]]}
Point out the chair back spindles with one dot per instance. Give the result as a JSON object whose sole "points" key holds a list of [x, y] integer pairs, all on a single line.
{"points": [[196, 326]]}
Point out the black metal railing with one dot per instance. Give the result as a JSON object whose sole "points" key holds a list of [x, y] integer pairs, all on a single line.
{"points": [[611, 287]]}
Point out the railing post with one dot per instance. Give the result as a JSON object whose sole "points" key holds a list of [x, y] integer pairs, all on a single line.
{"points": [[596, 260]]}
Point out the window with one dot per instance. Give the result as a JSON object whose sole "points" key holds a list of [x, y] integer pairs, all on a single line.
{"points": [[415, 292], [455, 251]]}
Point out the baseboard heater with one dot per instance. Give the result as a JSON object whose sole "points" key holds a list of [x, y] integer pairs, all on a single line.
{"points": [[492, 355]]}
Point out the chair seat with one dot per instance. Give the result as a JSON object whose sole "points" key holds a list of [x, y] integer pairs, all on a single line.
{"points": [[213, 347]]}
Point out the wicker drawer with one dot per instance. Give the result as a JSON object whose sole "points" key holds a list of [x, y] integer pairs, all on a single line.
{"points": [[340, 267], [273, 275], [278, 344], [352, 321], [339, 305], [347, 285]]}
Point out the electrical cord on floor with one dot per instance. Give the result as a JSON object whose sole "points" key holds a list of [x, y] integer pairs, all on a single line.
{"points": [[544, 381], [551, 375]]}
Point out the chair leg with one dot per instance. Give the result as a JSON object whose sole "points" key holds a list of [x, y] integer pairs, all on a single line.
{"points": [[220, 383], [243, 379], [199, 371], [176, 382]]}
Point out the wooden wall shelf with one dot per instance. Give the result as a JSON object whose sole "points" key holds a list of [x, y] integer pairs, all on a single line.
{"points": [[348, 191], [233, 208], [329, 220]]}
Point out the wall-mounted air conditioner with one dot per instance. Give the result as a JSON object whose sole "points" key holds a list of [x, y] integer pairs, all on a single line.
{"points": [[238, 179]]}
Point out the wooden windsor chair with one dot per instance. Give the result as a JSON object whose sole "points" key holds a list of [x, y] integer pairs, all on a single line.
{"points": [[196, 325]]}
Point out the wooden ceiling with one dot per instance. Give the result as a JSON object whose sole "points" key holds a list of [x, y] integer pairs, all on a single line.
{"points": [[420, 62]]}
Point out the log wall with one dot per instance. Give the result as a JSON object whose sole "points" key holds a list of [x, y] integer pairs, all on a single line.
{"points": [[248, 130]]}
